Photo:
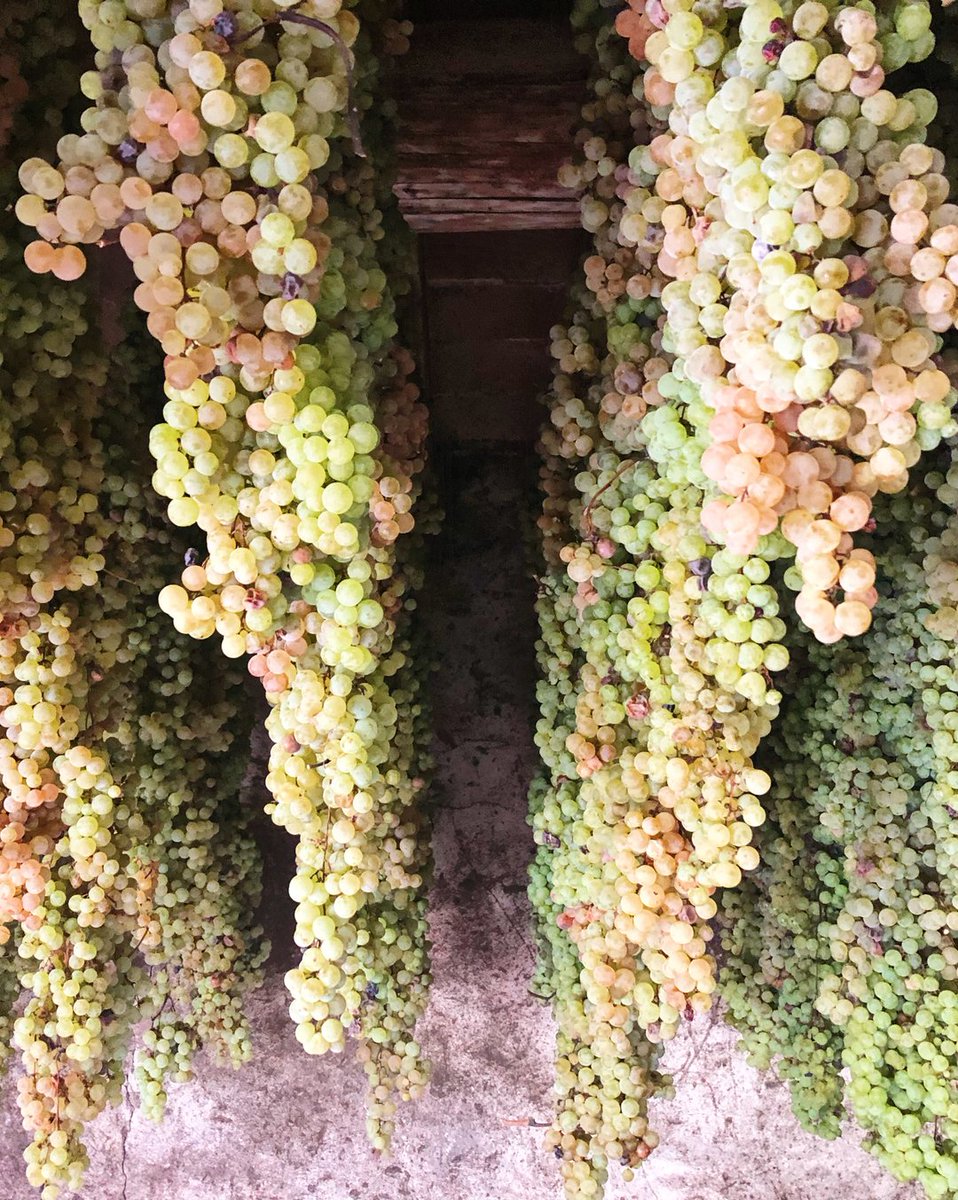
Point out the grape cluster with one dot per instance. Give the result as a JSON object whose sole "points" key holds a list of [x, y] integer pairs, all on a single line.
{"points": [[112, 754], [128, 880], [34, 41], [841, 953], [658, 648], [196, 870], [804, 231], [752, 356], [241, 154]]}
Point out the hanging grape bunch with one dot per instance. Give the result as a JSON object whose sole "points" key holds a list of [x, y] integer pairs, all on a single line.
{"points": [[241, 155], [751, 358]]}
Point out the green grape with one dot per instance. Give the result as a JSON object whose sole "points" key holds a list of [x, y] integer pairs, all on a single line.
{"points": [[103, 727], [840, 955], [773, 251], [657, 650], [246, 163]]}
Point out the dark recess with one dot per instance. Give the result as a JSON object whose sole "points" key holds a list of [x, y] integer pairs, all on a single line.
{"points": [[479, 10]]}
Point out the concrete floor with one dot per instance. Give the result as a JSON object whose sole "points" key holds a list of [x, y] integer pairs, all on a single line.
{"points": [[289, 1127]]}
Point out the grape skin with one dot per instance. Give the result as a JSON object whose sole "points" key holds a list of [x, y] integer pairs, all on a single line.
{"points": [[653, 700]]}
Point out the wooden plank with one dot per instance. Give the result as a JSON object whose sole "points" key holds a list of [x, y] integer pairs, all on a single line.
{"points": [[482, 162], [468, 112], [493, 204], [504, 219], [509, 192], [487, 114], [540, 92], [487, 313], [510, 366], [486, 189], [492, 49], [544, 256], [499, 192]]}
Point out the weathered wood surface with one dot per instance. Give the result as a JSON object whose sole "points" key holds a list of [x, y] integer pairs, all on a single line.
{"points": [[490, 300], [487, 114]]}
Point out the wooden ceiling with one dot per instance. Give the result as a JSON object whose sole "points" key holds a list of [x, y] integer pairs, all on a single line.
{"points": [[488, 106], [487, 110]]}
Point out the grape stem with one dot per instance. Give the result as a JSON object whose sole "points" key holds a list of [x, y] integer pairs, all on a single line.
{"points": [[352, 110], [121, 578], [587, 511], [325, 844]]}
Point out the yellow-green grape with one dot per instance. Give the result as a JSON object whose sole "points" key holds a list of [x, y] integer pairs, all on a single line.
{"points": [[80, 643], [103, 729], [103, 899], [292, 437], [840, 957], [785, 261], [9, 992], [175, 155], [743, 322]]}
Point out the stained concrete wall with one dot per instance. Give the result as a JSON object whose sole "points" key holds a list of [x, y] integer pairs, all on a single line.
{"points": [[289, 1127]]}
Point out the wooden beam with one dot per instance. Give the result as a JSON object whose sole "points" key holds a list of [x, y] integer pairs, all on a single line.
{"points": [[488, 111]]}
